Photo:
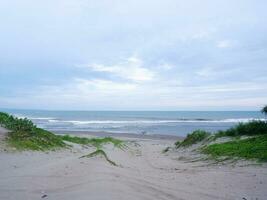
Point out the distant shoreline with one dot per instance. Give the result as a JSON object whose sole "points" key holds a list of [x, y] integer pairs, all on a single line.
{"points": [[128, 135]]}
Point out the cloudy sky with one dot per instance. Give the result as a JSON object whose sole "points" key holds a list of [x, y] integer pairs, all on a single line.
{"points": [[133, 54]]}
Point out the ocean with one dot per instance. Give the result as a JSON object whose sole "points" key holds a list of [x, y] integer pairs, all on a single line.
{"points": [[177, 123]]}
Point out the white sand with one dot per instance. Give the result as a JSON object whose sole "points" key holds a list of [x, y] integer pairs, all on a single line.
{"points": [[143, 173], [3, 132]]}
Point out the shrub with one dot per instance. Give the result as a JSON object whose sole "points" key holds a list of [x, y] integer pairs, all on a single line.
{"points": [[255, 127], [264, 110], [25, 135]]}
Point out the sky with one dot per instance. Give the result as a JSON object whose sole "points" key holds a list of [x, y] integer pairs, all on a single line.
{"points": [[133, 54]]}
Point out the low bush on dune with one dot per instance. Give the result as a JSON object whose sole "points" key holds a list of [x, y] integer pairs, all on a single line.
{"points": [[252, 128], [15, 124], [37, 139], [250, 148], [193, 138], [24, 135]]}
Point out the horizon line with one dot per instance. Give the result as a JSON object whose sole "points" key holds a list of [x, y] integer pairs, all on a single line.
{"points": [[118, 110]]}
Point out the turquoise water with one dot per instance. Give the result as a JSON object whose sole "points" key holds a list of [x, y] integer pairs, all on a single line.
{"points": [[149, 122]]}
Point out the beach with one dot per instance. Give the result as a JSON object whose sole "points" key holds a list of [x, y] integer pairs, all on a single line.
{"points": [[133, 100], [143, 172]]}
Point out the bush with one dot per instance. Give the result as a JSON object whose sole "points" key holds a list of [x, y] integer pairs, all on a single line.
{"points": [[249, 129], [25, 135], [16, 124], [193, 138]]}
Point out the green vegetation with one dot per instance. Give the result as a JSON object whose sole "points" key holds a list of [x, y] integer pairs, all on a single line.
{"points": [[250, 148], [254, 146], [96, 142], [25, 135], [193, 138], [166, 150], [101, 153], [264, 110], [37, 139], [249, 129]]}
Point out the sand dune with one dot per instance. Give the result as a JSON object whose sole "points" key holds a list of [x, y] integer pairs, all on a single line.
{"points": [[143, 173]]}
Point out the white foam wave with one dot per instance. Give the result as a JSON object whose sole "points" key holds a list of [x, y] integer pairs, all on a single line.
{"points": [[42, 118], [77, 122]]}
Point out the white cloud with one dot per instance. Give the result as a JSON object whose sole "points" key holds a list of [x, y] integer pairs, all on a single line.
{"points": [[131, 69], [85, 86], [166, 66], [224, 44], [206, 72]]}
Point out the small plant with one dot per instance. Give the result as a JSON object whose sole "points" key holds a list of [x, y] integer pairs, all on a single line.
{"points": [[101, 153], [96, 142], [166, 150], [264, 110], [193, 138], [177, 143]]}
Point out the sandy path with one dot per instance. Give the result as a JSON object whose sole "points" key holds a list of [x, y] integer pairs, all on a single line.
{"points": [[143, 173], [3, 132]]}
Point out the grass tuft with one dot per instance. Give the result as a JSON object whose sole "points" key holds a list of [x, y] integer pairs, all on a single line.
{"points": [[166, 150], [96, 142], [193, 138], [101, 153]]}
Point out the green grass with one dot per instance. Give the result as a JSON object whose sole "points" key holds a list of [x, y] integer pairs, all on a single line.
{"points": [[101, 153], [166, 150], [193, 138], [96, 142], [24, 135], [254, 147], [38, 140], [249, 129], [250, 148]]}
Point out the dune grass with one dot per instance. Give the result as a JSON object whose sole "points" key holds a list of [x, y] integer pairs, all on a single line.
{"points": [[193, 138], [252, 128], [250, 148], [101, 153], [96, 142], [24, 135], [38, 139], [253, 147]]}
